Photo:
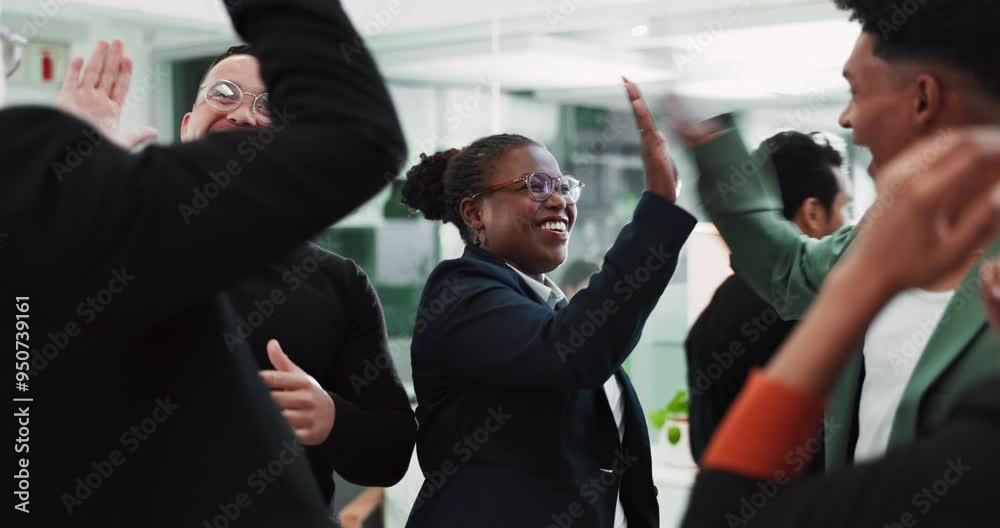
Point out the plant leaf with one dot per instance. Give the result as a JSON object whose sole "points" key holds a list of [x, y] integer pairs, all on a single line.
{"points": [[674, 435], [659, 418]]}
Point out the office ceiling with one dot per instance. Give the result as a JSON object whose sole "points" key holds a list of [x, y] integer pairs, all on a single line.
{"points": [[571, 50]]}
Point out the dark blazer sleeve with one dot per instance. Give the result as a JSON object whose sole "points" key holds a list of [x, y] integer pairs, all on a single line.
{"points": [[944, 479], [189, 218], [373, 435], [491, 333]]}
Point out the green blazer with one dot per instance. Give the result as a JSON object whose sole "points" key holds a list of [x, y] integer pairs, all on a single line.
{"points": [[740, 193]]}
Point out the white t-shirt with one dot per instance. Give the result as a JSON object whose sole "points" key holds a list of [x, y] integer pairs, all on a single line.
{"points": [[612, 388], [893, 345]]}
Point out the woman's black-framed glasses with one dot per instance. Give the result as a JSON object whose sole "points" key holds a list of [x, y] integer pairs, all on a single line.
{"points": [[226, 96], [13, 49], [541, 186]]}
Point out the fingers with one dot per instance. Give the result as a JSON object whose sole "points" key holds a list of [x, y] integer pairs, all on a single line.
{"points": [[298, 419], [112, 63], [72, 78], [288, 400], [95, 66], [643, 119], [279, 359], [121, 84], [279, 380]]}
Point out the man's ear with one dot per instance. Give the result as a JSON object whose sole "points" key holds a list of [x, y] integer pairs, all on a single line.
{"points": [[184, 126], [811, 217], [929, 99]]}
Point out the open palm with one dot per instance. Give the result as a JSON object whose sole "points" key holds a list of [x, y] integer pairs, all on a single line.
{"points": [[96, 94]]}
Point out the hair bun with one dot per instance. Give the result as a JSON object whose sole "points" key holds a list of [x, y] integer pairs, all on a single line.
{"points": [[424, 187]]}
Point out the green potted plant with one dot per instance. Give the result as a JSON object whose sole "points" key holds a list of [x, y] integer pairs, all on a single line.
{"points": [[671, 424]]}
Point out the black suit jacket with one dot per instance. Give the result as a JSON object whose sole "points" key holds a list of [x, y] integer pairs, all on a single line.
{"points": [[326, 315], [140, 415], [514, 425], [947, 478]]}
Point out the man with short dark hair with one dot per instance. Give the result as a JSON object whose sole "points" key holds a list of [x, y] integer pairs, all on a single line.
{"points": [[919, 71], [312, 319], [738, 330]]}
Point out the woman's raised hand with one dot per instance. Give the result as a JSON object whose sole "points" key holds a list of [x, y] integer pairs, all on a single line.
{"points": [[661, 178]]}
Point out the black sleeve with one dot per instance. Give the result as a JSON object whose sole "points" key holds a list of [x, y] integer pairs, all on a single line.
{"points": [[944, 479], [186, 219], [492, 334], [373, 435]]}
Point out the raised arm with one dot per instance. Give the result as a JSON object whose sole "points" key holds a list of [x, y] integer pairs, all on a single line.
{"points": [[740, 194], [188, 219], [492, 334]]}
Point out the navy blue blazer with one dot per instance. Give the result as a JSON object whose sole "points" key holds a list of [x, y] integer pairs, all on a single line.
{"points": [[514, 425]]}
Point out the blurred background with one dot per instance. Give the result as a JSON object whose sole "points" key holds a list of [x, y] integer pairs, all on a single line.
{"points": [[547, 69]]}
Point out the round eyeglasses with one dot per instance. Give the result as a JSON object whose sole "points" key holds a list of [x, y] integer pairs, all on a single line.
{"points": [[226, 96], [541, 186], [13, 49]]}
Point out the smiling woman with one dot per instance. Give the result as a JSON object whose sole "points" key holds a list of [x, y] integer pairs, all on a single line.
{"points": [[509, 339]]}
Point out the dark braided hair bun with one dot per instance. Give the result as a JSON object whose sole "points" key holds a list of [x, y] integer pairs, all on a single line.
{"points": [[424, 188]]}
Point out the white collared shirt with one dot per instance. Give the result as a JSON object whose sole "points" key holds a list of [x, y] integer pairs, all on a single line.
{"points": [[551, 294]]}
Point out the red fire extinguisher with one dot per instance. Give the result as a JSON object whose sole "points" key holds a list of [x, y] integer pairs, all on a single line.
{"points": [[46, 66]]}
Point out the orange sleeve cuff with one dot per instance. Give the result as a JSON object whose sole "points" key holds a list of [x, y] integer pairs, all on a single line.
{"points": [[764, 429]]}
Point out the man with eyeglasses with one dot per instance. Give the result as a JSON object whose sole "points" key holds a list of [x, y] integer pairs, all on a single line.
{"points": [[132, 410], [312, 319]]}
